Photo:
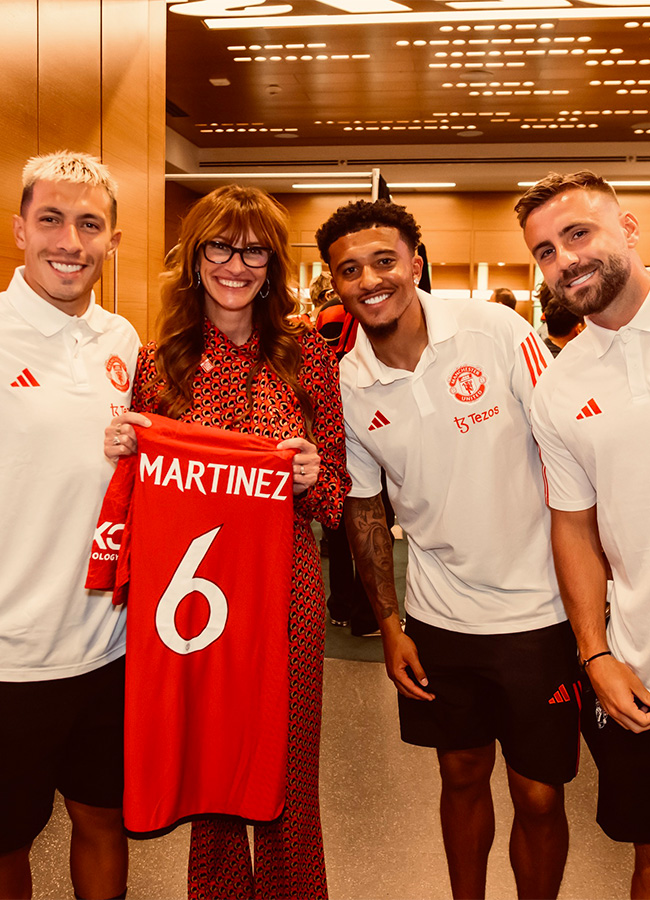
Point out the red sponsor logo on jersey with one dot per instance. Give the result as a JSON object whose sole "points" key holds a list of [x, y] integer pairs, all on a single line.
{"points": [[467, 384], [117, 373]]}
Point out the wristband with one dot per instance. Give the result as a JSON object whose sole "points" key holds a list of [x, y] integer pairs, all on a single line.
{"points": [[585, 662]]}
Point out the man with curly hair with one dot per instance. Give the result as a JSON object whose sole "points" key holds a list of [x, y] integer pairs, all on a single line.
{"points": [[437, 393]]}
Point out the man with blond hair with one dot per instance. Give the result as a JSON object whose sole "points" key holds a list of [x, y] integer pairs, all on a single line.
{"points": [[591, 418], [66, 367]]}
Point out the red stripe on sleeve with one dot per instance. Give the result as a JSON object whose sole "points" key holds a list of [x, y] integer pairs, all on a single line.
{"points": [[533, 377], [534, 349]]}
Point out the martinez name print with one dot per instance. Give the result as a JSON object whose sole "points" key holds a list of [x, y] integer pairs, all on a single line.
{"points": [[214, 478]]}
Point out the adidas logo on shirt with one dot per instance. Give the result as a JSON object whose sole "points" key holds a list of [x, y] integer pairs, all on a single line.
{"points": [[591, 408], [25, 379], [378, 421], [560, 696]]}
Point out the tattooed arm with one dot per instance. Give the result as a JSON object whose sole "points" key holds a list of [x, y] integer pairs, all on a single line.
{"points": [[365, 523]]}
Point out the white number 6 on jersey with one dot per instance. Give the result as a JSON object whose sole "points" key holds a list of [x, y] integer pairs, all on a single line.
{"points": [[183, 582]]}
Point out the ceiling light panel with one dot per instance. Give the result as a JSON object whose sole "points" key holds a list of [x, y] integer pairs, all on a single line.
{"points": [[528, 63]]}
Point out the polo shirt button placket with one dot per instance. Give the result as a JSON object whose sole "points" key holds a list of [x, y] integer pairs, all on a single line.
{"points": [[634, 363], [79, 372]]}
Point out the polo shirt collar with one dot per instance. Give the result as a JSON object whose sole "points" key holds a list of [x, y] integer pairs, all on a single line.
{"points": [[441, 325], [603, 338], [41, 315]]}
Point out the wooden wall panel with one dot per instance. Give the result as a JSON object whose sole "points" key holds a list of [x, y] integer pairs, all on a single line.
{"points": [[18, 117], [157, 41], [129, 103], [495, 211], [89, 75], [178, 200], [517, 278], [497, 246], [450, 277], [69, 82], [453, 247]]}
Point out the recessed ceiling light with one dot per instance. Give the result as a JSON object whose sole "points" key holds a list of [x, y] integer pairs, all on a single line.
{"points": [[361, 185]]}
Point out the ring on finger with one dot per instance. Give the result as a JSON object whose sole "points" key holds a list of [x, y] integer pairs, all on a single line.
{"points": [[302, 470], [116, 440]]}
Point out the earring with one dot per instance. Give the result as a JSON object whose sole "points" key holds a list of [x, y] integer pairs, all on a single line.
{"points": [[198, 278], [265, 293]]}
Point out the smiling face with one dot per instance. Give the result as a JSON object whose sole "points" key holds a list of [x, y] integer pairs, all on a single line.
{"points": [[66, 235], [374, 272], [583, 243], [230, 287]]}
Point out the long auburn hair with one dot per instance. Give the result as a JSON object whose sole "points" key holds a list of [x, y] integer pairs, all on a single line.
{"points": [[230, 212]]}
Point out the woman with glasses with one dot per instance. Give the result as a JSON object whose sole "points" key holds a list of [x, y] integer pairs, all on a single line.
{"points": [[229, 356]]}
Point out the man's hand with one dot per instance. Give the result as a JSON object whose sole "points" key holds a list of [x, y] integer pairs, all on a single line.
{"points": [[401, 653], [616, 686]]}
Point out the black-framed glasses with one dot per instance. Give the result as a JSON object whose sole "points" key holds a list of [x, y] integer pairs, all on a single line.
{"points": [[252, 256]]}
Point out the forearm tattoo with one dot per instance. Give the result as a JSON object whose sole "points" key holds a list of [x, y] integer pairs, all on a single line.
{"points": [[365, 521]]}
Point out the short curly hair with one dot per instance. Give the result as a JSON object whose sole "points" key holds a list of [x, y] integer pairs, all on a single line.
{"points": [[555, 184], [360, 215]]}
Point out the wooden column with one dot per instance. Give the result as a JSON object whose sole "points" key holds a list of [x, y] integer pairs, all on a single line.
{"points": [[90, 75]]}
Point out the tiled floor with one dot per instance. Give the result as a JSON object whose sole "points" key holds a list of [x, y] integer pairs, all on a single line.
{"points": [[380, 820]]}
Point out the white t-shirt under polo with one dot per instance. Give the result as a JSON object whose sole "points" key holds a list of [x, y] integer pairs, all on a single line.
{"points": [[591, 417], [462, 467], [62, 379]]}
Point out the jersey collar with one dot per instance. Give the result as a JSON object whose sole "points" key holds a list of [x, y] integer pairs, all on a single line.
{"points": [[42, 315], [603, 338], [441, 325]]}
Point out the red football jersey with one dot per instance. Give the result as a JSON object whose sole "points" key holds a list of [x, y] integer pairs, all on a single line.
{"points": [[205, 522]]}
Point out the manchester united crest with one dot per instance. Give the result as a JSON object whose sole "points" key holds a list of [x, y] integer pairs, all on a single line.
{"points": [[467, 384], [117, 373]]}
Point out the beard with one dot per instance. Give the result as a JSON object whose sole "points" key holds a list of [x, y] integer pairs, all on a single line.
{"points": [[592, 299], [386, 329]]}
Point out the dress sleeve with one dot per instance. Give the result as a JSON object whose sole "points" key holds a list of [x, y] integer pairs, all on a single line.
{"points": [[319, 376], [144, 400]]}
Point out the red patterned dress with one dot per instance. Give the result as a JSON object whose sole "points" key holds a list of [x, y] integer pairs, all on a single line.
{"points": [[289, 863]]}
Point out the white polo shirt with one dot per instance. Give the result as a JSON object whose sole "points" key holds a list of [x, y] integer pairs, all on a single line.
{"points": [[62, 379], [591, 417], [462, 467]]}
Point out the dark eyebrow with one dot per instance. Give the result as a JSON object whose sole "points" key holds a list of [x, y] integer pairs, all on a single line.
{"points": [[54, 210], [564, 231], [376, 254]]}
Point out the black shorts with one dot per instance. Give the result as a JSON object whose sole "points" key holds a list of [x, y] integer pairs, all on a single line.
{"points": [[66, 734], [521, 689], [623, 761]]}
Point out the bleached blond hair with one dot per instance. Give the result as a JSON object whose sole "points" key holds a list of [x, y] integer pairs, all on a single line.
{"points": [[65, 165]]}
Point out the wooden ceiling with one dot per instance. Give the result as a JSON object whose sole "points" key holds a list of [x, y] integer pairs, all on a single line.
{"points": [[576, 72]]}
